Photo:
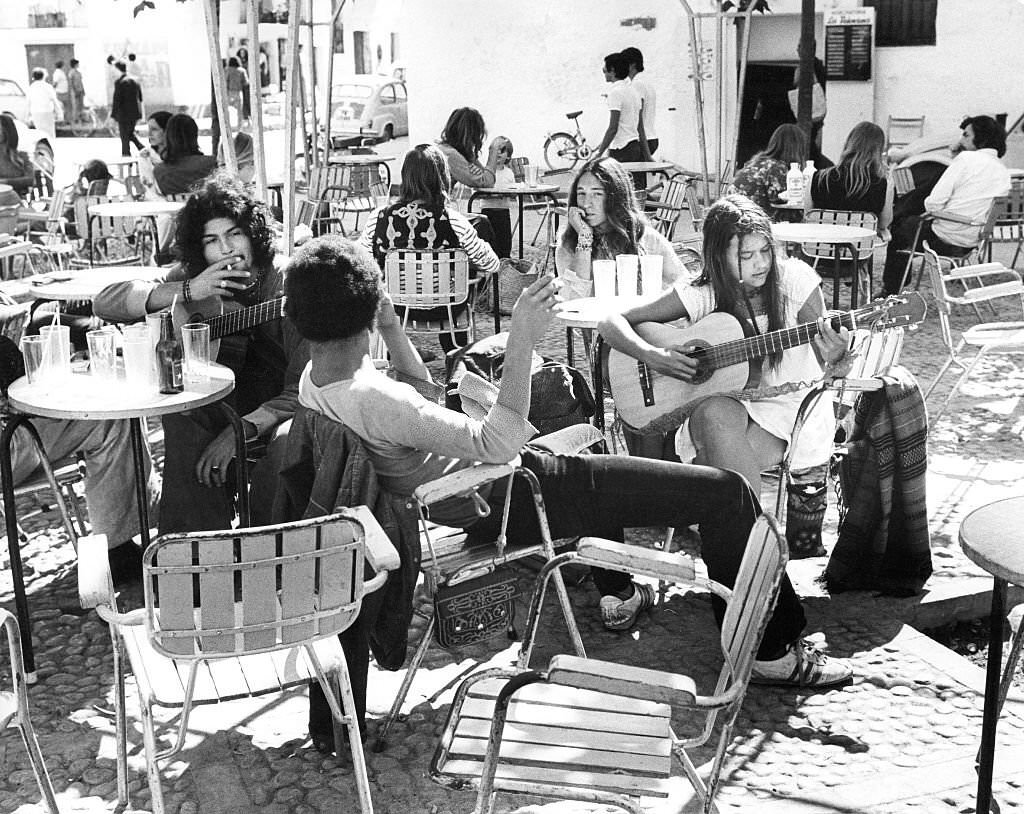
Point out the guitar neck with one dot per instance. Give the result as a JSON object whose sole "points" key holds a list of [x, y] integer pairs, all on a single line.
{"points": [[233, 322], [763, 345]]}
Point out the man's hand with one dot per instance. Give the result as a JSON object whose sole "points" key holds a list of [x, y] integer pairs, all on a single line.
{"points": [[386, 316], [535, 308], [212, 465], [221, 280]]}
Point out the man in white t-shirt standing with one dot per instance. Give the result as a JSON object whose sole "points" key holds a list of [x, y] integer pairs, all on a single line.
{"points": [[624, 139], [61, 86], [648, 97]]}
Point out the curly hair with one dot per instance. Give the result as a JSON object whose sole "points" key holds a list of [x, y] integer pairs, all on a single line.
{"points": [[332, 289], [737, 216], [626, 224], [222, 196], [465, 131]]}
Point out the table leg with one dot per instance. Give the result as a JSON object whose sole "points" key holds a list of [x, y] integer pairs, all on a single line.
{"points": [[141, 481], [570, 348], [495, 297], [520, 199], [990, 716], [14, 544]]}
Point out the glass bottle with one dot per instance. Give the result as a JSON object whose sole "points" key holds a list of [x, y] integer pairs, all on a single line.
{"points": [[168, 357]]}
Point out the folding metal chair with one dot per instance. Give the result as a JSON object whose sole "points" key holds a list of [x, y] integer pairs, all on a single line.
{"points": [[433, 288], [239, 613], [600, 732]]}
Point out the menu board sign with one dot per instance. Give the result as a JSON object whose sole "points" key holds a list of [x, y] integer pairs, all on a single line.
{"points": [[849, 40]]}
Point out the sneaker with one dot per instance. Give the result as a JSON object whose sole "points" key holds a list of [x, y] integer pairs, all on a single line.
{"points": [[620, 614], [803, 665]]}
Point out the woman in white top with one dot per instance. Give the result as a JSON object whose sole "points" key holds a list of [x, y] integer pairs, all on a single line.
{"points": [[743, 276], [604, 220]]}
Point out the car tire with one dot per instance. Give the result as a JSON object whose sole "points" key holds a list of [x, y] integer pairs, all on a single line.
{"points": [[389, 133]]}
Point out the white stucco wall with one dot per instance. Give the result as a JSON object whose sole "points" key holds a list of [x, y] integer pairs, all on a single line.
{"points": [[525, 64], [975, 67]]}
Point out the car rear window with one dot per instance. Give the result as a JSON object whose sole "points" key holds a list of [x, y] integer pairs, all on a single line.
{"points": [[9, 88], [352, 91]]}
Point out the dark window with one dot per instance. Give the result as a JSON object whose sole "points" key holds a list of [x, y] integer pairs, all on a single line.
{"points": [[904, 22], [394, 47], [361, 52]]}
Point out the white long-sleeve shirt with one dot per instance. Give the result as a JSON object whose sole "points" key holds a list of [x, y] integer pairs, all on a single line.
{"points": [[967, 188]]}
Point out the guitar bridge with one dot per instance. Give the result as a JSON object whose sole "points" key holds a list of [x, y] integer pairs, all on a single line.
{"points": [[646, 386]]}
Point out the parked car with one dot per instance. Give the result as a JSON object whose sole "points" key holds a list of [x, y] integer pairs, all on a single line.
{"points": [[369, 107], [13, 99]]}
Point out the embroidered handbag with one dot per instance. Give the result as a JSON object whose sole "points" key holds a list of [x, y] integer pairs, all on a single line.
{"points": [[806, 501], [477, 609]]}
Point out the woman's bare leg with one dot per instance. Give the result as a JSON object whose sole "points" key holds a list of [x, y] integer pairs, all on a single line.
{"points": [[725, 437]]}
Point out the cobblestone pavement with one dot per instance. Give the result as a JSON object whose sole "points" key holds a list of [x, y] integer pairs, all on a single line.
{"points": [[900, 738]]}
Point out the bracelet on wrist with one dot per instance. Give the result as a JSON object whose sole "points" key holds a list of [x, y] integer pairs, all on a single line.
{"points": [[585, 242], [186, 291]]}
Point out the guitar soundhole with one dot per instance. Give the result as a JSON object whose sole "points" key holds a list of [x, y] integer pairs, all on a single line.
{"points": [[704, 370]]}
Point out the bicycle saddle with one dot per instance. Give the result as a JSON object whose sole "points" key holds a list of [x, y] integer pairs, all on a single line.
{"points": [[574, 114]]}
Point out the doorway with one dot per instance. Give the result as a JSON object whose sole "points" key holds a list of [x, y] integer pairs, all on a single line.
{"points": [[45, 56], [764, 107]]}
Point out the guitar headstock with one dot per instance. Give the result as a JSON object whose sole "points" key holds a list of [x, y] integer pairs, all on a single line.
{"points": [[904, 310]]}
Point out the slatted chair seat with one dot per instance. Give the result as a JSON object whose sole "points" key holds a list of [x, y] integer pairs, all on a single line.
{"points": [[597, 731]]}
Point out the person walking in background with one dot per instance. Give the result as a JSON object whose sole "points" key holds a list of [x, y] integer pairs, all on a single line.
{"points": [[62, 88], [126, 108], [624, 139], [237, 81], [134, 70], [43, 104], [76, 90], [648, 96]]}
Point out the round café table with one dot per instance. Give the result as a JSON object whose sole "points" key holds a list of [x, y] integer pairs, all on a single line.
{"points": [[520, 192], [584, 314], [87, 284], [82, 397], [990, 537], [838, 235]]}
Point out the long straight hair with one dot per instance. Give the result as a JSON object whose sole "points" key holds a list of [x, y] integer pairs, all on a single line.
{"points": [[788, 144], [738, 216], [861, 161], [625, 222], [465, 131], [425, 177]]}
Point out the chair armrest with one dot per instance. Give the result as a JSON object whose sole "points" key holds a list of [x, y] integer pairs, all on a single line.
{"points": [[464, 482], [620, 679], [378, 550], [95, 587], [952, 217], [634, 559], [649, 204], [980, 270]]}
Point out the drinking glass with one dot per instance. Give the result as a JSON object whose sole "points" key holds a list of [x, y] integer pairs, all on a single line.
{"points": [[153, 324], [138, 357], [33, 348], [604, 278], [627, 274], [57, 350], [650, 274], [102, 354], [195, 345], [532, 175]]}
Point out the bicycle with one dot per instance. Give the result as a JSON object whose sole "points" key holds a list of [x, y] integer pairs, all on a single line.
{"points": [[563, 151], [87, 123]]}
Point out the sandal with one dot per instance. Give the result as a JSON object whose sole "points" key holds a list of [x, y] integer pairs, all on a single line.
{"points": [[620, 614]]}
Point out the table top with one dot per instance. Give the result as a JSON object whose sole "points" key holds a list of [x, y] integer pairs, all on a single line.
{"points": [[587, 312], [990, 537], [4, 188], [787, 205], [647, 166], [87, 283], [137, 209], [820, 232], [359, 159], [517, 189], [91, 399]]}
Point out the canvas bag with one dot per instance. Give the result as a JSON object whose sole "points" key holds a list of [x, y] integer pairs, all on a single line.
{"points": [[819, 106]]}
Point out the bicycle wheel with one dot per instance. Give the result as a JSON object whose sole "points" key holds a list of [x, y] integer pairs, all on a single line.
{"points": [[83, 124], [561, 152]]}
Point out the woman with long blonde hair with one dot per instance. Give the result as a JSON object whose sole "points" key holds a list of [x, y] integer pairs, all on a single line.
{"points": [[860, 181]]}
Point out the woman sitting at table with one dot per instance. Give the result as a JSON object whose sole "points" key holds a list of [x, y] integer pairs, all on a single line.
{"points": [[461, 142], [423, 218], [156, 127], [860, 181], [184, 164], [763, 177], [605, 220], [16, 168]]}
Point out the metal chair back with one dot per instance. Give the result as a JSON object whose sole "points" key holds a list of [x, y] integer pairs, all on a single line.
{"points": [[901, 130], [668, 208], [841, 217], [420, 279]]}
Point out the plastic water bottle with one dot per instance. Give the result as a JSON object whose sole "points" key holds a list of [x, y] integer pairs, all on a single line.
{"points": [[808, 175], [795, 184]]}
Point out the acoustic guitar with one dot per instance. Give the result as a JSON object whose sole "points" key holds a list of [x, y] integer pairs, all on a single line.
{"points": [[727, 360], [225, 323]]}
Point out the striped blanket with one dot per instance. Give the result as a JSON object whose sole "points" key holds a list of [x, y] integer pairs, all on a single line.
{"points": [[883, 541]]}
